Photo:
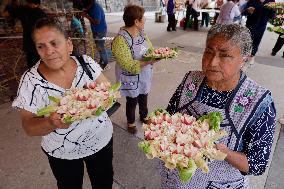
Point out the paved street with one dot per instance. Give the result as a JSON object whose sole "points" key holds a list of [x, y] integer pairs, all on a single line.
{"points": [[24, 166]]}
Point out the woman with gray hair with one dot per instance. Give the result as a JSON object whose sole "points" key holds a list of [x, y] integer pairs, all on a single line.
{"points": [[247, 108]]}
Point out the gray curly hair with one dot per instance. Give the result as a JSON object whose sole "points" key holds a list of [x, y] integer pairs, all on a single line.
{"points": [[234, 32]]}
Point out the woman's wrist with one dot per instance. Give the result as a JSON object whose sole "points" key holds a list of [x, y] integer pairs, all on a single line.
{"points": [[144, 63], [228, 153]]}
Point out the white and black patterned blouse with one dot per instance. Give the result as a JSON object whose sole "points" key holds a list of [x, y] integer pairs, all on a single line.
{"points": [[82, 138], [254, 137]]}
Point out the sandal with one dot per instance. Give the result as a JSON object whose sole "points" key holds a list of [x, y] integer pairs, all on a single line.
{"points": [[281, 120], [131, 128], [143, 120]]}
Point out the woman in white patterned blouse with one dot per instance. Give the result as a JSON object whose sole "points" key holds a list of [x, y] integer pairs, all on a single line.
{"points": [[66, 146]]}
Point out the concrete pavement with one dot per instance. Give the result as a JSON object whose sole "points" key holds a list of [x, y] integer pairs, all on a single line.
{"points": [[24, 166]]}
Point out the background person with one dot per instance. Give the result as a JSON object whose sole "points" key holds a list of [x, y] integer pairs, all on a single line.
{"points": [[228, 12], [191, 9], [28, 14], [171, 16], [247, 108], [257, 18], [205, 18], [77, 32], [218, 4], [128, 47], [278, 45], [9, 12], [95, 14], [67, 147]]}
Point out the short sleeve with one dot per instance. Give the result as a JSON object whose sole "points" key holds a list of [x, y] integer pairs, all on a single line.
{"points": [[96, 12], [95, 68], [258, 141], [29, 95], [235, 12]]}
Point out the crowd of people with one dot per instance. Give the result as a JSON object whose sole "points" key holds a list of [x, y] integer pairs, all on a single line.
{"points": [[221, 86], [228, 12]]}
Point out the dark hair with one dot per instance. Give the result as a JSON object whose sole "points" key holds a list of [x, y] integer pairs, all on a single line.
{"points": [[50, 22], [86, 4], [131, 13], [37, 2], [234, 1]]}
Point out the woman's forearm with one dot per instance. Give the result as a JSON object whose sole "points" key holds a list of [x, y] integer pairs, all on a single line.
{"points": [[238, 160], [38, 126], [145, 63], [92, 21]]}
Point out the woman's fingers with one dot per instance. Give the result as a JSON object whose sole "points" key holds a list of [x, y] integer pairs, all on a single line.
{"points": [[62, 126], [222, 147], [153, 61], [55, 116], [57, 122]]}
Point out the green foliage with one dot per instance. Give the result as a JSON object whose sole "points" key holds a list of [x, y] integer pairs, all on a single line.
{"points": [[185, 174], [54, 99], [46, 111], [115, 87], [99, 111], [144, 146], [214, 118], [68, 120]]}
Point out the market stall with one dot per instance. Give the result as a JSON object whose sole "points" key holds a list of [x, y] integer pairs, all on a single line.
{"points": [[12, 58]]}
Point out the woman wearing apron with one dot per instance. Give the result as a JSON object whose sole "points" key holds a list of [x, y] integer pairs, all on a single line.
{"points": [[128, 47], [247, 109]]}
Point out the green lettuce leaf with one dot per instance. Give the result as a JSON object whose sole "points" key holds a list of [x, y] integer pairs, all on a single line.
{"points": [[148, 58], [54, 99], [214, 118], [185, 174], [46, 111], [99, 111], [144, 146], [110, 101], [160, 111], [176, 49], [68, 119], [115, 87]]}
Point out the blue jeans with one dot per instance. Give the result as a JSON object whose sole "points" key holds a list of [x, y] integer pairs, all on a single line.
{"points": [[100, 44]]}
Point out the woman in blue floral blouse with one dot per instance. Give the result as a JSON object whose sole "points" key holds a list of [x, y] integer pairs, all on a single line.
{"points": [[247, 108]]}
